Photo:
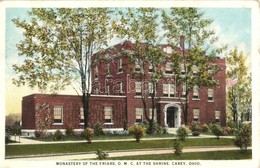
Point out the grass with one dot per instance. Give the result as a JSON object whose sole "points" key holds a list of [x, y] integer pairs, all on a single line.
{"points": [[14, 150], [216, 155]]}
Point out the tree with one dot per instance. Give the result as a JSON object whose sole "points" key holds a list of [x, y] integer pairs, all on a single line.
{"points": [[140, 27], [239, 93], [187, 28], [58, 46], [243, 138]]}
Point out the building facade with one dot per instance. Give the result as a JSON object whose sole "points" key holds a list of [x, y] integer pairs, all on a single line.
{"points": [[116, 98]]}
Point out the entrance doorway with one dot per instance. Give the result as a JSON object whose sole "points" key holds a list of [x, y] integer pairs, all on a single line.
{"points": [[172, 116]]}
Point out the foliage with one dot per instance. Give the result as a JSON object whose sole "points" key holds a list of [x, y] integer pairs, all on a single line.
{"points": [[16, 128], [197, 50], [195, 133], [138, 131], [69, 130], [88, 134], [239, 98], [182, 133], [156, 128], [243, 138], [177, 147], [43, 117], [58, 46], [98, 130], [101, 155], [7, 138], [58, 135], [205, 128], [217, 130]]}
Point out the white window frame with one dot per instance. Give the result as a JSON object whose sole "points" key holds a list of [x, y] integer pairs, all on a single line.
{"points": [[137, 65], [196, 94], [138, 88], [55, 108], [169, 90], [155, 114], [210, 95], [81, 113], [108, 114], [108, 69], [108, 89], [139, 112], [196, 115], [217, 115], [120, 65], [168, 68]]}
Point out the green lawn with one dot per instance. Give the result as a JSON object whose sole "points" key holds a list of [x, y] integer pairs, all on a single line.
{"points": [[216, 155], [13, 150]]}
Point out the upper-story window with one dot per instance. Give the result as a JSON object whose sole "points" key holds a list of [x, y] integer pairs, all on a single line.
{"points": [[169, 90], [210, 94], [151, 88], [107, 89], [138, 88], [151, 69], [108, 114], [168, 68], [58, 115], [167, 50], [196, 114], [195, 92], [183, 93], [81, 115], [121, 88], [183, 72], [96, 72], [137, 65], [195, 70], [120, 65], [108, 69]]}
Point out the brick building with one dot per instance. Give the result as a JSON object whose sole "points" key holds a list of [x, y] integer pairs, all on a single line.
{"points": [[115, 98]]}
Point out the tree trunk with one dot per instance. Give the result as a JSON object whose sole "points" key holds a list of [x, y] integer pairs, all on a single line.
{"points": [[85, 99]]}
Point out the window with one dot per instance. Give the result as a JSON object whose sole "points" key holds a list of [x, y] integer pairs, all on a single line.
{"points": [[151, 70], [183, 69], [139, 115], [138, 88], [120, 87], [195, 92], [210, 94], [151, 88], [137, 65], [150, 114], [217, 116], [196, 115], [194, 70], [108, 69], [167, 50], [81, 115], [57, 119], [183, 93], [107, 90], [120, 67], [108, 114], [168, 68], [169, 90], [96, 72]]}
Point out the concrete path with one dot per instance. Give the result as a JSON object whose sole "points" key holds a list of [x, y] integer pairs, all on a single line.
{"points": [[92, 155]]}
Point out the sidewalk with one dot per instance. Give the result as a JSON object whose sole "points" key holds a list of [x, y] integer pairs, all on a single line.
{"points": [[26, 141], [92, 155]]}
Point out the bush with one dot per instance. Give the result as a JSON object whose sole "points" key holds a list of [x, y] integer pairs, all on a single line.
{"points": [[205, 128], [244, 137], [101, 155], [57, 136], [156, 129], [88, 134], [138, 131], [177, 147], [7, 138], [41, 134], [69, 131], [217, 130], [195, 133], [182, 133], [98, 130]]}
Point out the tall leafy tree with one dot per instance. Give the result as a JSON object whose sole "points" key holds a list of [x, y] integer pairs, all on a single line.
{"points": [[140, 25], [58, 45], [193, 64], [239, 93]]}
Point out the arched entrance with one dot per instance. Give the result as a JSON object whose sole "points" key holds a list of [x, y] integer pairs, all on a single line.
{"points": [[172, 113]]}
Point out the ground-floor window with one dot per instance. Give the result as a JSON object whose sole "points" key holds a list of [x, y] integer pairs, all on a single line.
{"points": [[139, 115], [217, 116], [108, 114], [58, 112], [81, 115], [196, 115], [150, 114]]}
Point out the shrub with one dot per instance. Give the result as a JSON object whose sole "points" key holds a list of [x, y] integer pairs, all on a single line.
{"points": [[101, 155], [69, 130], [41, 134], [217, 130], [244, 137], [177, 147], [195, 133], [88, 134], [138, 131], [156, 129], [98, 130], [205, 128], [182, 133], [57, 136], [7, 138]]}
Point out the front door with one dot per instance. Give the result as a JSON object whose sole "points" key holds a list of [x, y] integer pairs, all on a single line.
{"points": [[171, 115]]}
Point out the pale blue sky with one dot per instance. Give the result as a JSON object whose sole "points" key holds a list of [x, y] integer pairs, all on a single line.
{"points": [[232, 25]]}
